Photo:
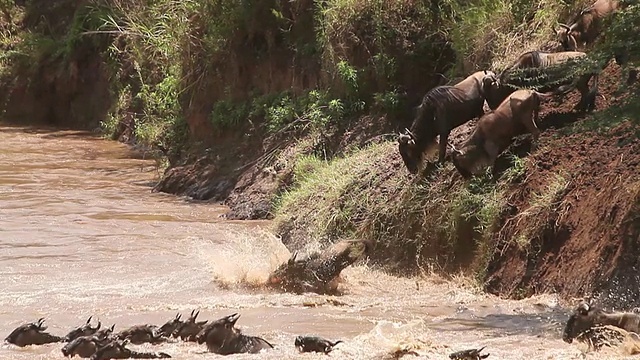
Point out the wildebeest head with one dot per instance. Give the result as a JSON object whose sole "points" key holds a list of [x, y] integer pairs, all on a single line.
{"points": [[83, 330], [170, 326], [216, 333], [189, 329], [83, 346], [411, 155], [223, 338], [470, 161], [105, 333], [582, 319], [566, 37], [31, 334]]}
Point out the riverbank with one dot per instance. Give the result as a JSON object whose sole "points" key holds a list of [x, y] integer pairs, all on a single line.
{"points": [[251, 106]]}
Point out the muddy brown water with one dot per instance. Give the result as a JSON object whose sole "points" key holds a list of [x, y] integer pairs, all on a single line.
{"points": [[82, 234]]}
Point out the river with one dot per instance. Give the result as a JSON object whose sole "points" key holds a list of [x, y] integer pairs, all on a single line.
{"points": [[82, 234]]}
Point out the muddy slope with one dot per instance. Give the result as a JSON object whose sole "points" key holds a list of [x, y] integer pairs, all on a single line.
{"points": [[573, 224]]}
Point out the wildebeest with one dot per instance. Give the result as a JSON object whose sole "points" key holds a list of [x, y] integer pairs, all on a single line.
{"points": [[169, 328], [106, 332], [223, 338], [83, 330], [586, 316], [314, 344], [32, 334], [495, 131], [84, 346], [116, 350], [319, 272], [472, 354], [563, 71], [140, 334], [586, 26], [442, 109], [189, 329]]}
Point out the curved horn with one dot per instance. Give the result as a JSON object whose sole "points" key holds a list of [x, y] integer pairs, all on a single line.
{"points": [[99, 324], [293, 258], [409, 133], [178, 315], [89, 319], [564, 26], [192, 311], [196, 315]]}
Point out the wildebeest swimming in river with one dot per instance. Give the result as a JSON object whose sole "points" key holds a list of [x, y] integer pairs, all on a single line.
{"points": [[32, 334], [84, 346], [319, 271], [472, 354], [140, 334], [443, 108], [83, 330], [586, 316], [223, 338], [116, 350], [169, 328], [188, 329], [314, 344]]}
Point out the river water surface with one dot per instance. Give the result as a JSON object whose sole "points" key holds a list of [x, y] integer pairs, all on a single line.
{"points": [[82, 234]]}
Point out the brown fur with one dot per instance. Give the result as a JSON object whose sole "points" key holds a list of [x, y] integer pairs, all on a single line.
{"points": [[544, 62], [587, 26], [587, 316], [443, 108], [495, 131]]}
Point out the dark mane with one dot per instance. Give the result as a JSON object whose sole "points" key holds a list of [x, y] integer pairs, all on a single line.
{"points": [[422, 125]]}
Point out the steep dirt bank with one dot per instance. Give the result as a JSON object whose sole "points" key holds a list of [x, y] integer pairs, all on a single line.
{"points": [[574, 219], [569, 222]]}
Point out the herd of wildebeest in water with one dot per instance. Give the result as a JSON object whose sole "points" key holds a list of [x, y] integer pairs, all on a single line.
{"points": [[442, 109], [510, 96]]}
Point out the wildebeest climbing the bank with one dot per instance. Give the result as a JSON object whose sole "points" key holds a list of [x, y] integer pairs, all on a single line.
{"points": [[587, 26], [442, 109], [495, 131], [559, 73]]}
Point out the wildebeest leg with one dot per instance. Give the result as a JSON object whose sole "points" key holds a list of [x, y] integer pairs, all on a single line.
{"points": [[633, 75], [492, 151], [444, 137]]}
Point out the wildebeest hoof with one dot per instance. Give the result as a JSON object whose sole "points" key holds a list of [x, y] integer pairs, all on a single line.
{"points": [[471, 354], [314, 344]]}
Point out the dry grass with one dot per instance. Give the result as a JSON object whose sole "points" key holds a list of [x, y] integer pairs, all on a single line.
{"points": [[544, 208], [415, 223]]}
